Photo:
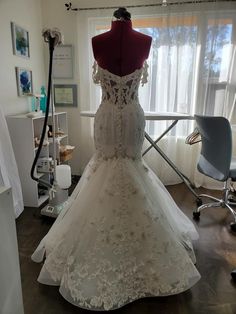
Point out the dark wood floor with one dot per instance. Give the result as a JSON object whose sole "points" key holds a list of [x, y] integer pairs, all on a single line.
{"points": [[215, 293]]}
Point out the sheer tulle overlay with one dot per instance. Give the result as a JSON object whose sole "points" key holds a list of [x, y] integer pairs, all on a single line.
{"points": [[121, 237]]}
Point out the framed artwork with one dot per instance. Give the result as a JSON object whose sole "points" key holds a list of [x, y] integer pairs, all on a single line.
{"points": [[65, 95], [20, 41], [63, 62], [24, 81]]}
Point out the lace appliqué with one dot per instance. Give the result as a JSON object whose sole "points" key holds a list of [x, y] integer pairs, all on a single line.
{"points": [[95, 74], [119, 122], [129, 250], [144, 78], [120, 90], [120, 257], [117, 245]]}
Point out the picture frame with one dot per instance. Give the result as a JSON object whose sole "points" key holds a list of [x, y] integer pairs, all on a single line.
{"points": [[20, 41], [65, 95], [63, 62], [24, 81]]}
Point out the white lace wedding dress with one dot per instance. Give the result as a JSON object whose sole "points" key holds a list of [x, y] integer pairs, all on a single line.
{"points": [[122, 237]]}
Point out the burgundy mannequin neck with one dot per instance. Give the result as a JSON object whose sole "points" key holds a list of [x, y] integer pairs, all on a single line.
{"points": [[117, 25], [122, 49]]}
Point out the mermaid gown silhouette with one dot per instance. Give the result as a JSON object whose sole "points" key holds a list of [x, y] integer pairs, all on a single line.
{"points": [[122, 237]]}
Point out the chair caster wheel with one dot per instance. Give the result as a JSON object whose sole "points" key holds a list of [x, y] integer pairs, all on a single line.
{"points": [[196, 215], [233, 275], [233, 226]]}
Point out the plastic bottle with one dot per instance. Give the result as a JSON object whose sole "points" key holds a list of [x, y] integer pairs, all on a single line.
{"points": [[43, 99], [32, 105]]}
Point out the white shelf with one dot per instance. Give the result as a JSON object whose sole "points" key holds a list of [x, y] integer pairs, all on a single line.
{"points": [[23, 131], [39, 175], [57, 138], [24, 116]]}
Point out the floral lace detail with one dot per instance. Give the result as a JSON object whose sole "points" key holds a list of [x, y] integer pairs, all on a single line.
{"points": [[122, 262], [119, 122], [125, 251], [120, 90], [123, 237], [97, 69]]}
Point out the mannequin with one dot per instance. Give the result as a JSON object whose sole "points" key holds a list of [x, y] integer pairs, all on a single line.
{"points": [[121, 237], [121, 50]]}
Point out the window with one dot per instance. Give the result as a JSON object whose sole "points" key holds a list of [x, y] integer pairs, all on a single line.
{"points": [[189, 64], [216, 65]]}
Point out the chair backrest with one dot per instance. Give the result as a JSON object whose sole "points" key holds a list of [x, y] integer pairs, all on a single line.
{"points": [[216, 151]]}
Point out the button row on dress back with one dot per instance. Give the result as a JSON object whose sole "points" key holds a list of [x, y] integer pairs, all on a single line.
{"points": [[119, 91]]}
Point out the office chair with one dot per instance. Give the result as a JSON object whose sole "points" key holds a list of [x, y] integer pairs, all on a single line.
{"points": [[216, 161]]}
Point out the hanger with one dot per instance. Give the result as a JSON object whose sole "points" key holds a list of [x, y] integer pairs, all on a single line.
{"points": [[193, 138]]}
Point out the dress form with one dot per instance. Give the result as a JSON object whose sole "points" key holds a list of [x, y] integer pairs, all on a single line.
{"points": [[121, 237], [121, 50]]}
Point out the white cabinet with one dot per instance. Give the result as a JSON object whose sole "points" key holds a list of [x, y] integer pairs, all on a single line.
{"points": [[24, 131]]}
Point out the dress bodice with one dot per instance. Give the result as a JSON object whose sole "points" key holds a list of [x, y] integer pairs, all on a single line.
{"points": [[119, 122], [119, 90]]}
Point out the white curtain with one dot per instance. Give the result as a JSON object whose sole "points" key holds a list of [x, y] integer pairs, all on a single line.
{"points": [[192, 69]]}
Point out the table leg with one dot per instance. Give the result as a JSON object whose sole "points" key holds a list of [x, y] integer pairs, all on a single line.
{"points": [[161, 136]]}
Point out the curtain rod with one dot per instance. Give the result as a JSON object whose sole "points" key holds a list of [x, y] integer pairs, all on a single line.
{"points": [[164, 3]]}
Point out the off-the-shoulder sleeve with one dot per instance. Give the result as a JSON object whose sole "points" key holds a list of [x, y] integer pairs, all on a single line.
{"points": [[96, 74], [145, 73]]}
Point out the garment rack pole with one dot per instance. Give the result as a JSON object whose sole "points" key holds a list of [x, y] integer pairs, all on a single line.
{"points": [[160, 4]]}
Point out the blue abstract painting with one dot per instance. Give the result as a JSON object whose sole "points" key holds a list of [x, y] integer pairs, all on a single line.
{"points": [[20, 40], [24, 81]]}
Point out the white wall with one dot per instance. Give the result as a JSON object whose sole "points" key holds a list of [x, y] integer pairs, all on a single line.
{"points": [[28, 14], [55, 15]]}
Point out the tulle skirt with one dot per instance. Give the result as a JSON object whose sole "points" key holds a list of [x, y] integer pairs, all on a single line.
{"points": [[121, 238]]}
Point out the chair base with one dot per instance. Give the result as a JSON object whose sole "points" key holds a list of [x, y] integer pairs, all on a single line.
{"points": [[225, 202]]}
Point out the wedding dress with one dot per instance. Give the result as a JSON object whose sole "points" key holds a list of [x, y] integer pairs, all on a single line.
{"points": [[122, 237]]}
